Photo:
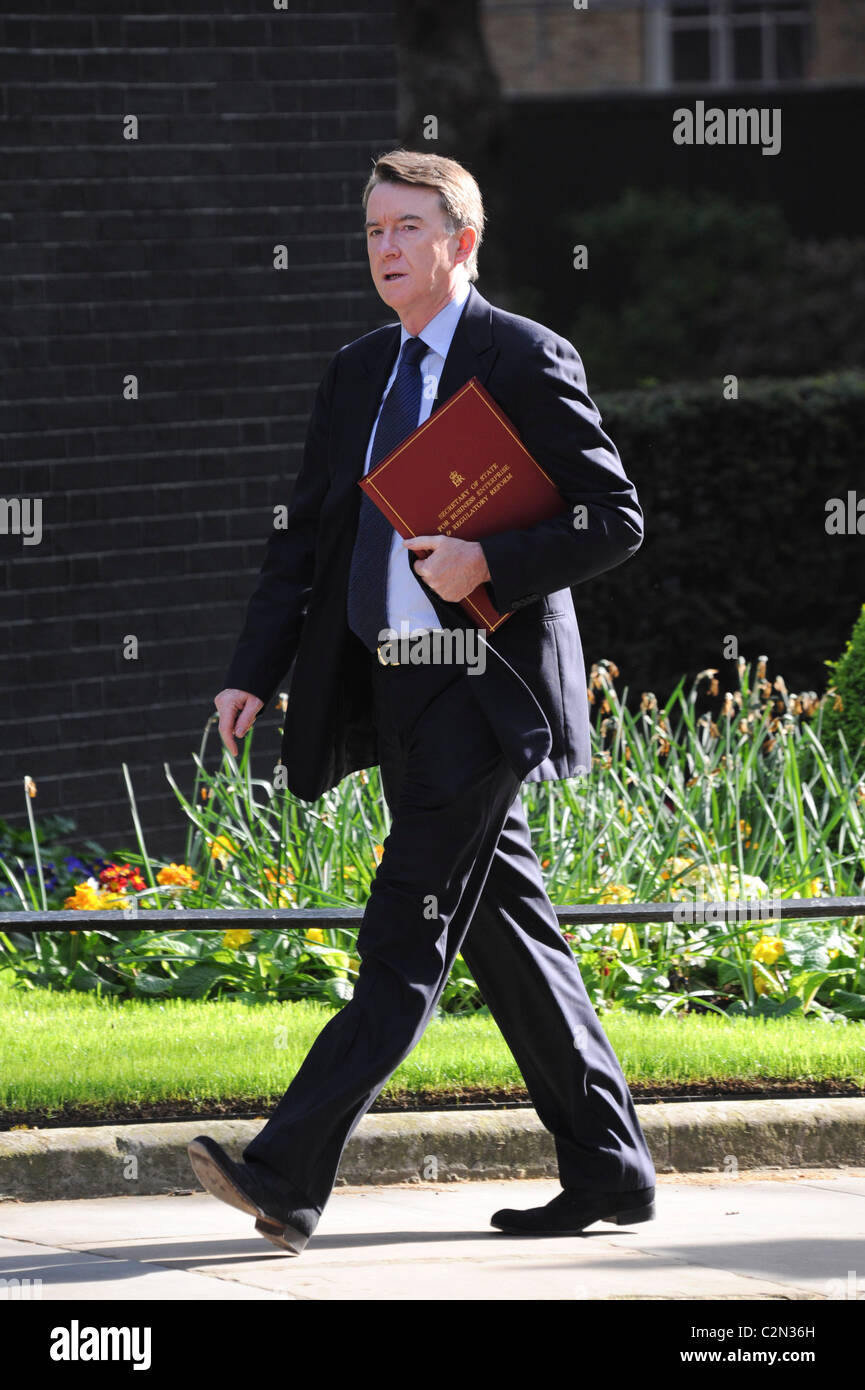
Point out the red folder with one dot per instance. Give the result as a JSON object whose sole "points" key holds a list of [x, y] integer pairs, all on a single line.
{"points": [[466, 473]]}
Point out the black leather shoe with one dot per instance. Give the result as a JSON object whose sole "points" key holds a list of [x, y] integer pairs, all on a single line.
{"points": [[570, 1212], [244, 1187]]}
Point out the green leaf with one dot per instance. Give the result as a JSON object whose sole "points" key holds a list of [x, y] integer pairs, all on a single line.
{"points": [[853, 1005], [338, 991], [195, 982], [152, 985], [805, 984]]}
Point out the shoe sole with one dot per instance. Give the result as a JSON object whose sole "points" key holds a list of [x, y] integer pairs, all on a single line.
{"points": [[286, 1237], [220, 1185], [617, 1218]]}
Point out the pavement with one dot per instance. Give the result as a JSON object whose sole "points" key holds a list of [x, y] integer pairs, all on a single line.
{"points": [[755, 1199], [786, 1235]]}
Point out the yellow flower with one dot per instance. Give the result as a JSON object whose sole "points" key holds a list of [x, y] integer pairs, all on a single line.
{"points": [[177, 875], [378, 851], [315, 934], [833, 952], [222, 847], [239, 936], [111, 902], [617, 893], [768, 949], [813, 889], [722, 881], [85, 898], [676, 866], [625, 936], [760, 985]]}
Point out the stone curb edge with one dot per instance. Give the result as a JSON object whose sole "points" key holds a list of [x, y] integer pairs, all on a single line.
{"points": [[437, 1146]]}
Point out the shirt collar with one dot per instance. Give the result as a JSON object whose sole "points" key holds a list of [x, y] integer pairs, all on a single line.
{"points": [[439, 332]]}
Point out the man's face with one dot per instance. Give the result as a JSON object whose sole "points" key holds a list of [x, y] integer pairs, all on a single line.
{"points": [[413, 261]]}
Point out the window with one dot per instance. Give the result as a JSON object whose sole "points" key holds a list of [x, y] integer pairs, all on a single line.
{"points": [[721, 42]]}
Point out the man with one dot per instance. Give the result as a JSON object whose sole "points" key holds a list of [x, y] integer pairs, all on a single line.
{"points": [[458, 872]]}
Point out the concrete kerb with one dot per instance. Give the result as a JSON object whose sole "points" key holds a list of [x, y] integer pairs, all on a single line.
{"points": [[437, 1146]]}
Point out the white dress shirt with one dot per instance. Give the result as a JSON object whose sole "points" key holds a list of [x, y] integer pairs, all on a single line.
{"points": [[406, 600]]}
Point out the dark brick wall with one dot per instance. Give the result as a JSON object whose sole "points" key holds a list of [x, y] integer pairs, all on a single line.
{"points": [[154, 257]]}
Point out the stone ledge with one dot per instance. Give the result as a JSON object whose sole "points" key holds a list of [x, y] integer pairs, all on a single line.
{"points": [[437, 1146]]}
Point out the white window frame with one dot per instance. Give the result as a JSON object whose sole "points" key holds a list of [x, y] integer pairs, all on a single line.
{"points": [[721, 21]]}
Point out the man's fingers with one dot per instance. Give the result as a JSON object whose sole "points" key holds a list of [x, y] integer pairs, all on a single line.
{"points": [[424, 542], [246, 718], [236, 716]]}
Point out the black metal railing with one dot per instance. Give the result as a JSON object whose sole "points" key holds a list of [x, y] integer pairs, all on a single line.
{"points": [[734, 910]]}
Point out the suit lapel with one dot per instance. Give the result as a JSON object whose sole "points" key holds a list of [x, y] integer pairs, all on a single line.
{"points": [[361, 399], [471, 352]]}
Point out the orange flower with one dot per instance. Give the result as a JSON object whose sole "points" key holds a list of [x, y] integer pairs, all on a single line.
{"points": [[222, 848], [177, 876], [85, 898], [88, 898]]}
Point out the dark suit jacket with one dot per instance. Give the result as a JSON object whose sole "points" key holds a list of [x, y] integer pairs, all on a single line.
{"points": [[533, 690]]}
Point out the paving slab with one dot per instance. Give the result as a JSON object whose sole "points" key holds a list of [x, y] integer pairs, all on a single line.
{"points": [[771, 1235]]}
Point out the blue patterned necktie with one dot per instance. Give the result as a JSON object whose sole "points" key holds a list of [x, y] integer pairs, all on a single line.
{"points": [[367, 584]]}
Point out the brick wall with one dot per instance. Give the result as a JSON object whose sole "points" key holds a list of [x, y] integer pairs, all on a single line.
{"points": [[154, 258], [839, 40], [537, 49]]}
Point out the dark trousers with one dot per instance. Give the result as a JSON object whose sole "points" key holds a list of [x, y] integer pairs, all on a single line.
{"points": [[458, 874]]}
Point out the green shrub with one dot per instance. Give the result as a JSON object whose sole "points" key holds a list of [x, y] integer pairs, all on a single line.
{"points": [[683, 287], [848, 683], [734, 494]]}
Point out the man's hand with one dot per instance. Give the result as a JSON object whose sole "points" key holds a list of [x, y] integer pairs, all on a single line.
{"points": [[237, 711], [452, 568]]}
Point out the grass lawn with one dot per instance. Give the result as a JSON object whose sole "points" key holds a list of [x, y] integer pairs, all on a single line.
{"points": [[68, 1054]]}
